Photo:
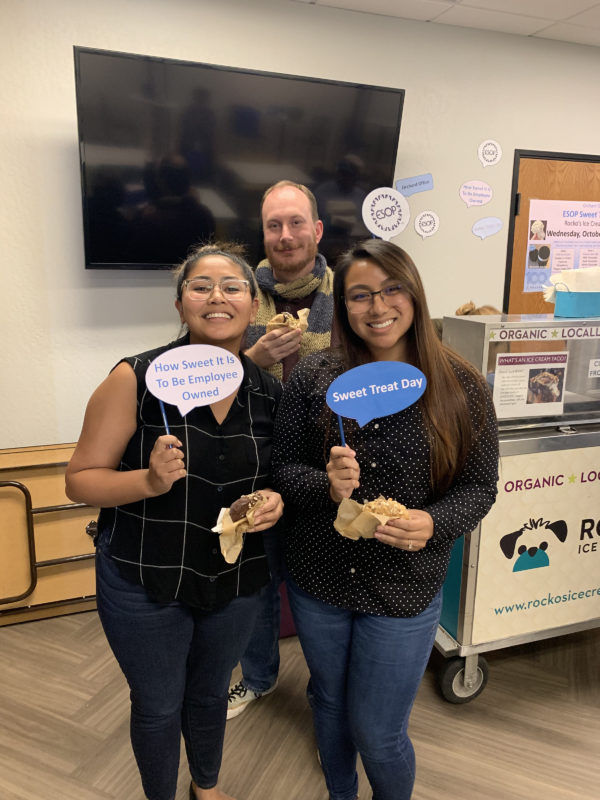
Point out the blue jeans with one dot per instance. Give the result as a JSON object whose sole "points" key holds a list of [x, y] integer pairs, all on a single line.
{"points": [[260, 662], [178, 662], [365, 671]]}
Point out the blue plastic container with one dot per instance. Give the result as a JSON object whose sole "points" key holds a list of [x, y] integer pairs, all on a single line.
{"points": [[577, 304]]}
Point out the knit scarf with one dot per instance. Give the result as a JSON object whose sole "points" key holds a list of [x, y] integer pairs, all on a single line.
{"points": [[320, 318]]}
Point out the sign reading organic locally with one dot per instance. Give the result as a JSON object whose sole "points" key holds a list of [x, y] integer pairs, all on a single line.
{"points": [[544, 333], [563, 235]]}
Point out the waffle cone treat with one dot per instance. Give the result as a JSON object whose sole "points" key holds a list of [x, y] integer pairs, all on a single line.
{"points": [[287, 320], [233, 523], [355, 520], [389, 508]]}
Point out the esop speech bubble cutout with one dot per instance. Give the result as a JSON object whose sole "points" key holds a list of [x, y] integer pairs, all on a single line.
{"points": [[385, 212], [194, 375], [375, 390]]}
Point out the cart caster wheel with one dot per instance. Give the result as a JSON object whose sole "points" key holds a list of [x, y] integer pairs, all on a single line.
{"points": [[451, 680]]}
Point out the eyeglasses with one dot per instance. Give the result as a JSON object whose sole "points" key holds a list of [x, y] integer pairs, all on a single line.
{"points": [[200, 289], [359, 300]]}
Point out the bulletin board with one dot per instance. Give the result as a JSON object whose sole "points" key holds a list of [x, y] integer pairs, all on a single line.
{"points": [[542, 176]]}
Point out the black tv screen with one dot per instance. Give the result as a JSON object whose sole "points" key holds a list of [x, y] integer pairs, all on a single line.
{"points": [[175, 153]]}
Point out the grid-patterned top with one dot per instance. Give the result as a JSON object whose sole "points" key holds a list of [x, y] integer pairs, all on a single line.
{"points": [[165, 543]]}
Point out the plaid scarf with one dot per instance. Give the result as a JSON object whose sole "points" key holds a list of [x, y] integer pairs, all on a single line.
{"points": [[320, 318]]}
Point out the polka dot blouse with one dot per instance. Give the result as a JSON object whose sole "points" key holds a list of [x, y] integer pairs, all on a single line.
{"points": [[393, 453]]}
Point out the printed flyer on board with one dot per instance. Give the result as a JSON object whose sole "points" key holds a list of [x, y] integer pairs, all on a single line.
{"points": [[563, 234], [530, 384]]}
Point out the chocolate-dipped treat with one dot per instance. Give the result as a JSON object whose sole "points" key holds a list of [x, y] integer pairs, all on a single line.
{"points": [[244, 504]]}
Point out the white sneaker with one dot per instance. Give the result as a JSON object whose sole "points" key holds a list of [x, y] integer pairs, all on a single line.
{"points": [[240, 696]]}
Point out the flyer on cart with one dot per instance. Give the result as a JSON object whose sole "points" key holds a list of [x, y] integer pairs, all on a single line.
{"points": [[563, 234], [530, 384]]}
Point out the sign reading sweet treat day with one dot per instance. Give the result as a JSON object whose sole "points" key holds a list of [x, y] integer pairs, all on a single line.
{"points": [[385, 212], [194, 375], [375, 390]]}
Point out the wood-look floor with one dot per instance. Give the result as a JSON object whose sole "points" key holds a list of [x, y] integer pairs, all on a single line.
{"points": [[534, 733]]}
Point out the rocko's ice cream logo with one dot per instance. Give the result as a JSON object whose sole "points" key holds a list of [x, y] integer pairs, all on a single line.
{"points": [[385, 212], [531, 542]]}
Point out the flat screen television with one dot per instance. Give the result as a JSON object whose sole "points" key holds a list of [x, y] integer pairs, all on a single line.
{"points": [[174, 153]]}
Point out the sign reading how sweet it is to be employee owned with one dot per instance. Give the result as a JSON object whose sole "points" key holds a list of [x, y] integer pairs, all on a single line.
{"points": [[375, 390], [194, 375], [476, 193]]}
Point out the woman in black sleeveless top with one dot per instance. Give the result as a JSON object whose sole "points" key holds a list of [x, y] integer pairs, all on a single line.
{"points": [[178, 616]]}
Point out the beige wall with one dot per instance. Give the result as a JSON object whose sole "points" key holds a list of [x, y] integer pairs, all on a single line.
{"points": [[63, 327]]}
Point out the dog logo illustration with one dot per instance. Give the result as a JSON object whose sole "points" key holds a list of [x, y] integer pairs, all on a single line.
{"points": [[532, 552]]}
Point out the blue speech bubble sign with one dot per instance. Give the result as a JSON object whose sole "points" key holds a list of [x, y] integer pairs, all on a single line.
{"points": [[420, 183], [194, 375], [375, 390], [487, 226]]}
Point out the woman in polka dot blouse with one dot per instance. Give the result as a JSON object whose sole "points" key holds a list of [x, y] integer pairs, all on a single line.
{"points": [[367, 611]]}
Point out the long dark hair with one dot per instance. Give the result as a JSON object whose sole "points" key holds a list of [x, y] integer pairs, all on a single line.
{"points": [[448, 421]]}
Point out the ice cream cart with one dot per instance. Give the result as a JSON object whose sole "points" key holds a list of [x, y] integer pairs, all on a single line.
{"points": [[531, 569]]}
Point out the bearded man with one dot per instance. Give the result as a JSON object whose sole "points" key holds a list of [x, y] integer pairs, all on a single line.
{"points": [[293, 276]]}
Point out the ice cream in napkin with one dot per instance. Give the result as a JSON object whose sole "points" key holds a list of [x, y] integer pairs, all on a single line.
{"points": [[233, 522], [361, 519]]}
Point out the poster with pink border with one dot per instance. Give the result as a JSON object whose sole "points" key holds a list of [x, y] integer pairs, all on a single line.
{"points": [[563, 234]]}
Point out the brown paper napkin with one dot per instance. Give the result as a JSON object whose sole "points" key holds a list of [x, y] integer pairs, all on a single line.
{"points": [[303, 318], [353, 521], [300, 323], [231, 534]]}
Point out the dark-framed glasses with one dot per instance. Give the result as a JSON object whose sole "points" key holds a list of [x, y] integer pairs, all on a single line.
{"points": [[201, 288], [359, 300]]}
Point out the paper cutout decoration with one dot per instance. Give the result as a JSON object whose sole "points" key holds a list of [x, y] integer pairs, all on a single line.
{"points": [[489, 152], [375, 390], [427, 223], [487, 226], [476, 193], [420, 183], [385, 212], [194, 375]]}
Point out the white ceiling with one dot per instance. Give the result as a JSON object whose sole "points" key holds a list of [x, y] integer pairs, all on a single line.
{"points": [[575, 21]]}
